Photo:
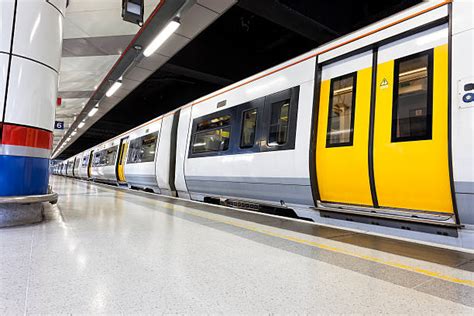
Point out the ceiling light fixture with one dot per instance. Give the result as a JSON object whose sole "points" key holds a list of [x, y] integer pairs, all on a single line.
{"points": [[81, 125], [114, 88], [93, 111], [162, 37]]}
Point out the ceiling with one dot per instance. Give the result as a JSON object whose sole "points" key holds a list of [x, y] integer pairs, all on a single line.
{"points": [[94, 37], [248, 38]]}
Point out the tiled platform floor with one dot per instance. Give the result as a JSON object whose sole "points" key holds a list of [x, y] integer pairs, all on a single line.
{"points": [[102, 250]]}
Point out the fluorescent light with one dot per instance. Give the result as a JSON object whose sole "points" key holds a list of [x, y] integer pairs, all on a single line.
{"points": [[161, 38], [113, 88], [73, 133], [81, 125], [93, 112]]}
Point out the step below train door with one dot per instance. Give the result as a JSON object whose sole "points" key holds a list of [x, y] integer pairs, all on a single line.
{"points": [[342, 165], [411, 157]]}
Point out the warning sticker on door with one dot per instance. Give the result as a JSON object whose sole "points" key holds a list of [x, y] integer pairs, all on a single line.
{"points": [[384, 84]]}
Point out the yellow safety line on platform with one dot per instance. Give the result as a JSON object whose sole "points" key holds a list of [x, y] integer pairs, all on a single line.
{"points": [[402, 266]]}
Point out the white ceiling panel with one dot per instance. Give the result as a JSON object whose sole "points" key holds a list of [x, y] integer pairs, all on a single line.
{"points": [[72, 31], [173, 45], [89, 20], [152, 62], [98, 23], [130, 84], [139, 74], [91, 63], [122, 92], [101, 5]]}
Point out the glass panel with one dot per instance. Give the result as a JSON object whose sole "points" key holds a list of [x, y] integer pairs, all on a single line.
{"points": [[340, 111], [76, 163], [214, 123], [278, 134], [85, 161], [209, 141], [142, 149], [249, 125], [110, 155], [96, 161], [412, 117]]}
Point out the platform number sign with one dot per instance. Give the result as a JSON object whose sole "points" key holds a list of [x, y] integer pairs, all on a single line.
{"points": [[58, 125]]}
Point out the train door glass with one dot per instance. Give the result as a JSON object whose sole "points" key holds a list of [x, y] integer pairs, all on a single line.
{"points": [[411, 164], [343, 131]]}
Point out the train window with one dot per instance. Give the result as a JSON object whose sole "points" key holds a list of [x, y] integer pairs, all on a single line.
{"points": [[211, 141], [212, 135], [109, 157], [412, 108], [249, 127], [76, 163], [96, 161], [215, 122], [85, 161], [341, 111], [142, 149], [279, 120]]}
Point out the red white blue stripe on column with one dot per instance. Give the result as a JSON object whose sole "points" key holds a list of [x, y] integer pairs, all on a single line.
{"points": [[24, 160]]}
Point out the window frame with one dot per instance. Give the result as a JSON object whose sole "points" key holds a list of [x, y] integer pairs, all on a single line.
{"points": [[257, 125], [429, 90], [130, 151], [293, 94], [262, 104], [281, 103], [115, 151], [207, 117], [350, 143]]}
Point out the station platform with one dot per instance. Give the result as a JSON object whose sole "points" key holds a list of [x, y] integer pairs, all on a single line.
{"points": [[108, 250]]}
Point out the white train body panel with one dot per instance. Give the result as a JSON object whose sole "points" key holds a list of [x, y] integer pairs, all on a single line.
{"points": [[70, 167], [142, 174], [105, 173], [266, 176], [182, 145], [463, 112], [84, 165], [163, 154], [378, 30]]}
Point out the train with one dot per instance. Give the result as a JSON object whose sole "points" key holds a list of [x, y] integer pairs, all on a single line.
{"points": [[372, 131]]}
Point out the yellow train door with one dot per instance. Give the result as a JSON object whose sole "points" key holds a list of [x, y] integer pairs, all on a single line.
{"points": [[343, 131], [121, 160], [411, 158]]}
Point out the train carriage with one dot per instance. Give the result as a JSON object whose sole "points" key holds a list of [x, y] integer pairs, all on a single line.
{"points": [[370, 128], [139, 157], [104, 161]]}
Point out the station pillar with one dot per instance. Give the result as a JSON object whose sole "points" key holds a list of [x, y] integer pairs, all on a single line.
{"points": [[30, 52]]}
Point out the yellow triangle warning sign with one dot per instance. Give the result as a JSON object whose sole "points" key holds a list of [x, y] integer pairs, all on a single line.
{"points": [[384, 83]]}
